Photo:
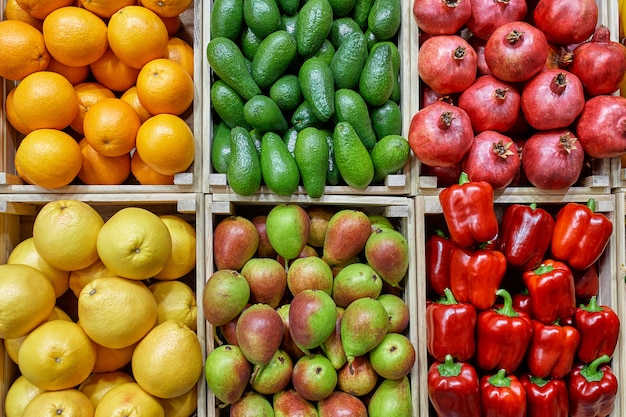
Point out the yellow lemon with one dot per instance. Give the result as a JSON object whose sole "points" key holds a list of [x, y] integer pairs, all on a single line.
{"points": [[134, 243], [99, 383], [81, 277], [57, 355], [109, 360], [62, 403], [181, 406], [116, 312], [175, 301], [182, 257], [27, 299], [65, 233], [25, 253], [20, 393], [167, 362], [129, 400]]}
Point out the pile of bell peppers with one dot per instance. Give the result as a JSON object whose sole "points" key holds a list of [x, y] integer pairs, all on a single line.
{"points": [[514, 326]]}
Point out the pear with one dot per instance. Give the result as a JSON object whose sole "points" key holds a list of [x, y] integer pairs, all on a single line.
{"points": [[341, 404], [387, 251], [393, 358], [355, 281], [397, 311], [274, 376], [225, 295], [259, 333], [314, 377], [310, 273], [332, 346], [391, 398], [252, 404], [358, 378], [312, 318], [227, 372], [235, 241], [265, 249], [363, 326], [288, 227], [289, 403], [288, 345], [346, 235], [267, 280], [380, 221], [320, 215]]}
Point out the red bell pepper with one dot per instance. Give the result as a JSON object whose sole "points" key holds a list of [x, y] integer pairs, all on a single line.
{"points": [[453, 389], [580, 235], [502, 336], [469, 211], [524, 235], [552, 350], [502, 395], [475, 275], [438, 249], [450, 328], [521, 301], [592, 389], [545, 397], [586, 283], [599, 330], [551, 291]]}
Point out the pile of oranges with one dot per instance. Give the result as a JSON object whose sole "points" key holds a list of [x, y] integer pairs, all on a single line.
{"points": [[102, 89]]}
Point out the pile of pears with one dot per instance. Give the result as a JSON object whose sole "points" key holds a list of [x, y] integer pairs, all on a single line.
{"points": [[308, 316]]}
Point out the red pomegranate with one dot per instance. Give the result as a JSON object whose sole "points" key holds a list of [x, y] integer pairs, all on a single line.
{"points": [[492, 158], [566, 22], [487, 15], [601, 127], [441, 17]]}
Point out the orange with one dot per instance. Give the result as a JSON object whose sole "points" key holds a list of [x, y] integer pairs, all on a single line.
{"points": [[48, 158], [110, 126], [166, 144], [75, 36], [167, 8], [164, 86], [12, 117], [146, 175], [89, 93], [42, 8], [180, 51], [172, 24], [13, 11], [74, 75], [137, 35], [100, 169], [45, 99], [105, 8], [113, 73], [22, 50], [130, 96]]}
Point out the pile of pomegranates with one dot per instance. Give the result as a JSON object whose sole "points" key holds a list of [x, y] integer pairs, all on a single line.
{"points": [[516, 92]]}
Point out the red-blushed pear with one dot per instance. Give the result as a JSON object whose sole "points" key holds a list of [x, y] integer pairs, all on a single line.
{"points": [[387, 251], [288, 227], [337, 248], [332, 347], [391, 398], [310, 273], [320, 215], [289, 403], [267, 279], [397, 311], [252, 404], [274, 376], [341, 404], [235, 241], [357, 280], [265, 249], [312, 318], [259, 333], [288, 345], [358, 379], [363, 326], [394, 357], [314, 377], [224, 296], [227, 372]]}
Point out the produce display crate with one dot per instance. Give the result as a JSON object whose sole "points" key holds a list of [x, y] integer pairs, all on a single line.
{"points": [[17, 215], [611, 288], [395, 184], [189, 181], [400, 210], [598, 176]]}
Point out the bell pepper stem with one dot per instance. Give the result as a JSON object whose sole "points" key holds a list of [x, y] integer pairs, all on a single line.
{"points": [[449, 368], [590, 371], [533, 206], [500, 380], [463, 178], [591, 204], [593, 306], [448, 298], [540, 382], [507, 306], [441, 233], [543, 269]]}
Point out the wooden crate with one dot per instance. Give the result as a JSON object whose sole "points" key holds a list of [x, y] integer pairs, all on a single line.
{"points": [[400, 210], [597, 178], [188, 181], [620, 280], [396, 184], [611, 291], [18, 212]]}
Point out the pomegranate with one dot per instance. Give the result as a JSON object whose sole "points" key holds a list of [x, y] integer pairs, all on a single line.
{"points": [[487, 15], [441, 17], [558, 57], [429, 96], [520, 179], [446, 176], [491, 104], [552, 160], [600, 63], [479, 46], [441, 134], [565, 22], [492, 158], [447, 63], [516, 51], [552, 99], [601, 128]]}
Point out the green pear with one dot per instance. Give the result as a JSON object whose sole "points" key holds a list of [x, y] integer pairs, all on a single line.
{"points": [[310, 273], [259, 333], [288, 227], [235, 241], [332, 346], [314, 377], [391, 398], [355, 281], [312, 318], [252, 404], [227, 372], [380, 221], [346, 235], [393, 358], [273, 377], [267, 279], [398, 312], [225, 294], [341, 404], [289, 403], [387, 251], [363, 326]]}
